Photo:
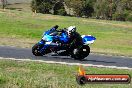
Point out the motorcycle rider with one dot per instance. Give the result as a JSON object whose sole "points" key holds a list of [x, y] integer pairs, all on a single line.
{"points": [[75, 40], [75, 37]]}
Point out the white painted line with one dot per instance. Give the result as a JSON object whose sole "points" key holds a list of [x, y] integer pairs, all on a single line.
{"points": [[67, 63]]}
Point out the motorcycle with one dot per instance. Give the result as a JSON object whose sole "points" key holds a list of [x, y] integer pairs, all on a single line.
{"points": [[54, 41]]}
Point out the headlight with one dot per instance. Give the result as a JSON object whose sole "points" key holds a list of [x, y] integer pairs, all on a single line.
{"points": [[47, 38], [44, 38]]}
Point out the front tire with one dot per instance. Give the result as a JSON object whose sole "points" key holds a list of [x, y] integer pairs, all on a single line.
{"points": [[35, 50]]}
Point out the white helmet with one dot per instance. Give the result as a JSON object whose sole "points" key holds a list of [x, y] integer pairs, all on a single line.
{"points": [[71, 29]]}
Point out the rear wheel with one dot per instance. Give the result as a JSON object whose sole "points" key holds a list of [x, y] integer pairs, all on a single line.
{"points": [[35, 50], [80, 54], [85, 50]]}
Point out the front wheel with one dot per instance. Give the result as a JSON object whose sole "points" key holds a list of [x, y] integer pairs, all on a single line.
{"points": [[80, 54], [35, 50]]}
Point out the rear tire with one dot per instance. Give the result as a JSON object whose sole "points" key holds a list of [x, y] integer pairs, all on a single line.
{"points": [[80, 54], [35, 50], [86, 50]]}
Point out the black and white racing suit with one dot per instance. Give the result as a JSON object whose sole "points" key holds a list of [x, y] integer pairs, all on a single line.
{"points": [[75, 41]]}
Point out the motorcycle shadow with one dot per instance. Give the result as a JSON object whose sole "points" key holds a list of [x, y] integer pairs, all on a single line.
{"points": [[65, 56], [98, 61], [68, 58]]}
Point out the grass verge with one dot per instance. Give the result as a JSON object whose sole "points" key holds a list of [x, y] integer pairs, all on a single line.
{"points": [[20, 74]]}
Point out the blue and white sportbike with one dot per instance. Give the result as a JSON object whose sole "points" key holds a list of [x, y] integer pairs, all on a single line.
{"points": [[70, 42]]}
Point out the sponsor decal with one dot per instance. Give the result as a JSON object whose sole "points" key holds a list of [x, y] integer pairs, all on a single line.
{"points": [[83, 78]]}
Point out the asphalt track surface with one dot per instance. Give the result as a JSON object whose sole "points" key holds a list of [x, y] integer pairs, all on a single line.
{"points": [[25, 53]]}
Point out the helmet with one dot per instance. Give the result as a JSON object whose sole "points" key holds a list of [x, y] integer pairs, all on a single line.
{"points": [[71, 29]]}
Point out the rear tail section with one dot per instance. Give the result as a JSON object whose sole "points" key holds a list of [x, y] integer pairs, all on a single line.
{"points": [[88, 39]]}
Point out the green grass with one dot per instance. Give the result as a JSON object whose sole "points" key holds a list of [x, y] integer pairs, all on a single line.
{"points": [[20, 74], [113, 37]]}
